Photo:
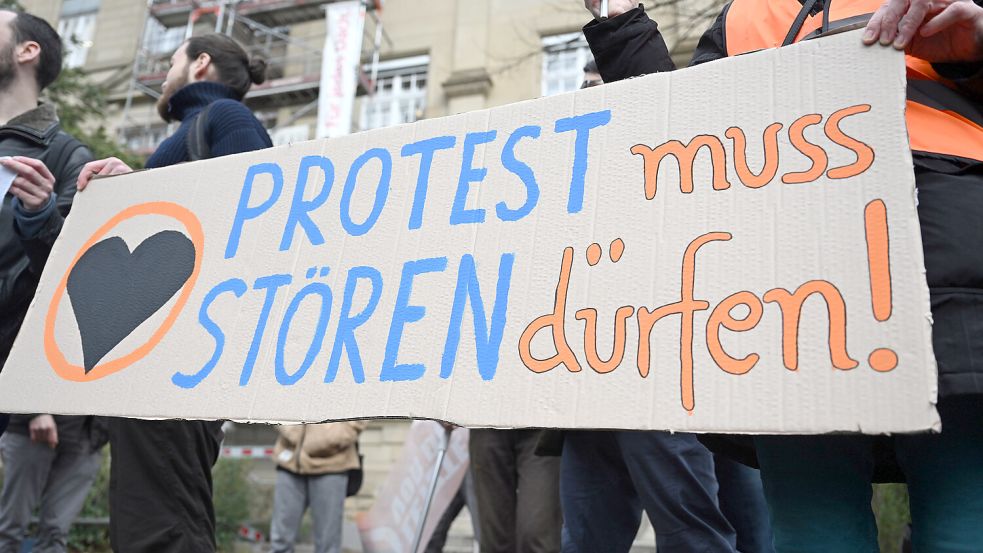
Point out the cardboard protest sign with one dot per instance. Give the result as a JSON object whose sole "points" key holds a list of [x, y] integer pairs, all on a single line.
{"points": [[394, 520], [732, 248]]}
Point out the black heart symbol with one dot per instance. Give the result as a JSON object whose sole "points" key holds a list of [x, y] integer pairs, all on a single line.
{"points": [[113, 291]]}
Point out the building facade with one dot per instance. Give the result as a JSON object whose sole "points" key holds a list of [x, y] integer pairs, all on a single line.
{"points": [[433, 57]]}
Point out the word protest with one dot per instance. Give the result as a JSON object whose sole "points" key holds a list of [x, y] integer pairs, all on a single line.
{"points": [[729, 248]]}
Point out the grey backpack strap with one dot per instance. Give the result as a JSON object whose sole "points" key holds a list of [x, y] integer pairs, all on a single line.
{"points": [[197, 140]]}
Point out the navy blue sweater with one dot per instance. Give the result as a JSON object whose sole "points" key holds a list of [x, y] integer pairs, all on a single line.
{"points": [[232, 127]]}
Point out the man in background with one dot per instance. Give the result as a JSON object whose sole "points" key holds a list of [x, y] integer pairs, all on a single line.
{"points": [[160, 494], [313, 462], [49, 461]]}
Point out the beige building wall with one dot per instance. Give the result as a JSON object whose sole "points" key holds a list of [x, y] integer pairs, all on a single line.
{"points": [[483, 53], [48, 10], [118, 28]]}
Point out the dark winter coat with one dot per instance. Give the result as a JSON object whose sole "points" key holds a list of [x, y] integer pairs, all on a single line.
{"points": [[160, 495], [36, 134]]}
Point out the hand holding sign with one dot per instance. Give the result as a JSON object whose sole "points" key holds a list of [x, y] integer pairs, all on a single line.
{"points": [[101, 167], [615, 7], [33, 184], [938, 31]]}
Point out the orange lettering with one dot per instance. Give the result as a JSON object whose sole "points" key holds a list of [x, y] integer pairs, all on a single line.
{"points": [[879, 259], [770, 168], [686, 157], [791, 306], [865, 154], [589, 316], [686, 307], [796, 133], [564, 354], [646, 320], [721, 317]]}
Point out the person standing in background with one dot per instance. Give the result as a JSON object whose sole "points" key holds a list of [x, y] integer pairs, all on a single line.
{"points": [[49, 461], [160, 491], [313, 461]]}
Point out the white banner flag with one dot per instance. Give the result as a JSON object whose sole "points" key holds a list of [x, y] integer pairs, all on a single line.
{"points": [[394, 520], [342, 51]]}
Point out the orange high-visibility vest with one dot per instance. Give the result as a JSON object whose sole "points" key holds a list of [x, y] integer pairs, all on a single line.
{"points": [[940, 119]]}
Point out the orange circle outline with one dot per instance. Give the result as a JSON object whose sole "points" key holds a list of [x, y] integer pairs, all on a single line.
{"points": [[52, 351]]}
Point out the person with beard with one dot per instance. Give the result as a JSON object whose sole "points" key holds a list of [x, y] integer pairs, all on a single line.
{"points": [[49, 461], [160, 490]]}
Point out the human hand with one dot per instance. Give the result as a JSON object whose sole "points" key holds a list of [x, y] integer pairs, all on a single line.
{"points": [[615, 7], [44, 430], [33, 184], [101, 167], [933, 30]]}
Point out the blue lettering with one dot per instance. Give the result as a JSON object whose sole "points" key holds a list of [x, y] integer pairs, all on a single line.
{"points": [[299, 207], [322, 290], [583, 125], [405, 313], [426, 149], [470, 174], [272, 285], [487, 337], [381, 192], [237, 287], [523, 171], [243, 211], [345, 337]]}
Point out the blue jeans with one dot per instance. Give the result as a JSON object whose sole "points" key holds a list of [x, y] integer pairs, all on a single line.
{"points": [[607, 478], [819, 487]]}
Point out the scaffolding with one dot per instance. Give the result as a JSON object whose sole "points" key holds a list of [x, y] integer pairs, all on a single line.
{"points": [[263, 27]]}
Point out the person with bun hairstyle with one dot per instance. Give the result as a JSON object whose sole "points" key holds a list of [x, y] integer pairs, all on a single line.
{"points": [[160, 490]]}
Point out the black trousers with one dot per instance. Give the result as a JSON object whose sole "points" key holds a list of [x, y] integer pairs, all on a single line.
{"points": [[160, 486], [518, 492]]}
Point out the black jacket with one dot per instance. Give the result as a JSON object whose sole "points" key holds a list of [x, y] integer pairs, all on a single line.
{"points": [[36, 134], [950, 194], [160, 496]]}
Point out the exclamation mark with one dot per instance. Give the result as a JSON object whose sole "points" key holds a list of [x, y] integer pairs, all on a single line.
{"points": [[879, 263]]}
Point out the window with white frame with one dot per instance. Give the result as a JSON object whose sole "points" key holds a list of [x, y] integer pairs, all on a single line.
{"points": [[77, 27], [159, 39], [564, 58], [400, 94], [144, 139]]}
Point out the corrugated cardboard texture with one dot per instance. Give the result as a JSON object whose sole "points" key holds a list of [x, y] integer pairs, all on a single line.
{"points": [[798, 209]]}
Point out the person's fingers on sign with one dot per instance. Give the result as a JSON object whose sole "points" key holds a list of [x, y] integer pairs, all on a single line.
{"points": [[101, 167], [33, 184], [44, 430], [933, 30], [615, 7]]}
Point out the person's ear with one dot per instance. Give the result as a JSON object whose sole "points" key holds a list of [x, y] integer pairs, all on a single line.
{"points": [[199, 69], [27, 52]]}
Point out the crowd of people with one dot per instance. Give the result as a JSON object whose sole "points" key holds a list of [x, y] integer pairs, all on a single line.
{"points": [[534, 491]]}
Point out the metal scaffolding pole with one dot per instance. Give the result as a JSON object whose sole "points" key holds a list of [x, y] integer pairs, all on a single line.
{"points": [[133, 73]]}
